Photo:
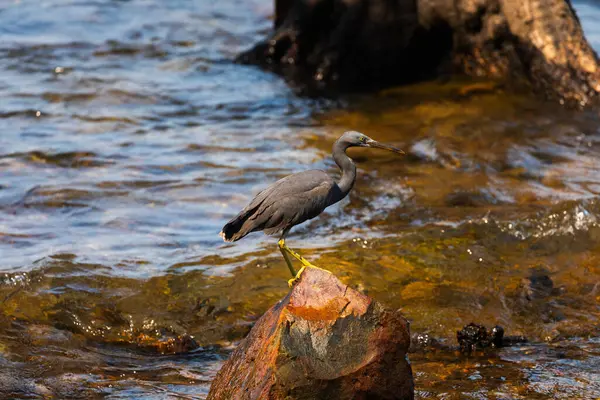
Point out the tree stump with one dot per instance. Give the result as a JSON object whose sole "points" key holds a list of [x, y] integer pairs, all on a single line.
{"points": [[324, 340], [357, 44]]}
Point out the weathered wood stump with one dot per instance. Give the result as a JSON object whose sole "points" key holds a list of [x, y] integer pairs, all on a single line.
{"points": [[352, 44], [324, 340]]}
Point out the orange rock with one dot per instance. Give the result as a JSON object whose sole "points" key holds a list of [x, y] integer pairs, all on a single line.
{"points": [[324, 340]]}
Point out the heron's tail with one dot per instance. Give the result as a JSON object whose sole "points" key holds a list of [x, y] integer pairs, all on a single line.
{"points": [[235, 230]]}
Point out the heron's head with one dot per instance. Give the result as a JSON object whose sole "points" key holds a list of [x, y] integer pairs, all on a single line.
{"points": [[357, 139]]}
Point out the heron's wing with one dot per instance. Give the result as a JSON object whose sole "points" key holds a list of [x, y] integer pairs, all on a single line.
{"points": [[296, 208], [300, 182], [294, 184], [293, 195]]}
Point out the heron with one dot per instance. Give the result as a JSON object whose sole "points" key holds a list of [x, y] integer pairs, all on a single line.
{"points": [[298, 198]]}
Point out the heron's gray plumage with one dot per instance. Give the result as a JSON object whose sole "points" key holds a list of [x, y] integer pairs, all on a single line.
{"points": [[288, 202], [299, 197]]}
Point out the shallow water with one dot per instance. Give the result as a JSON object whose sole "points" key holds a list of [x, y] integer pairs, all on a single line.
{"points": [[129, 138]]}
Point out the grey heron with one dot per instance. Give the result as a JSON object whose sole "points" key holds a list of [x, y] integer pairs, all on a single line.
{"points": [[299, 197]]}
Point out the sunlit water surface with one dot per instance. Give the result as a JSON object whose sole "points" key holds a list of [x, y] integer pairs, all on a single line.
{"points": [[129, 138]]}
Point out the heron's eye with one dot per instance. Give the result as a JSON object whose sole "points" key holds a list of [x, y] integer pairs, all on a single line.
{"points": [[363, 139]]}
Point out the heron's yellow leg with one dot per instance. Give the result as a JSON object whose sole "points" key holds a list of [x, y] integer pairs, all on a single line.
{"points": [[282, 248], [303, 260], [297, 256], [285, 251]]}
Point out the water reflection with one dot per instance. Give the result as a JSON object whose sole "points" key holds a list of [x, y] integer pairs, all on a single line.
{"points": [[129, 139]]}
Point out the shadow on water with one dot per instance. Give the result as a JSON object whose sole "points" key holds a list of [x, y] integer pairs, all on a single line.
{"points": [[129, 139]]}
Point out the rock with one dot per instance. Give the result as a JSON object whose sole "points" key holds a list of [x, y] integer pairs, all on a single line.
{"points": [[324, 340], [166, 345], [423, 342], [472, 337], [539, 285], [475, 336]]}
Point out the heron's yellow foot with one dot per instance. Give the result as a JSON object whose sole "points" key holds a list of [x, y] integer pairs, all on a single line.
{"points": [[285, 251], [295, 279]]}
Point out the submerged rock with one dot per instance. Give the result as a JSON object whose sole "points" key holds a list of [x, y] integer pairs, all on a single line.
{"points": [[324, 340], [166, 345], [423, 342], [475, 336], [471, 337]]}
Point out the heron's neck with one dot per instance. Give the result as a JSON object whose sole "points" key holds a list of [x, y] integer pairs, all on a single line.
{"points": [[347, 166]]}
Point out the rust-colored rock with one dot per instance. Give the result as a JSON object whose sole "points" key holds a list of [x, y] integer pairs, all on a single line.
{"points": [[324, 340]]}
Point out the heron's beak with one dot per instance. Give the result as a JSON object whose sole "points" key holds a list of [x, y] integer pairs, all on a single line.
{"points": [[377, 145]]}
